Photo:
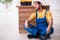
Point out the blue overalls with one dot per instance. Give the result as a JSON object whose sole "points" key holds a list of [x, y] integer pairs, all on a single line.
{"points": [[41, 26]]}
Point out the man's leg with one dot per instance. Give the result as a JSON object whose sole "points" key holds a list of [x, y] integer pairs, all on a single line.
{"points": [[44, 35], [31, 30], [51, 32]]}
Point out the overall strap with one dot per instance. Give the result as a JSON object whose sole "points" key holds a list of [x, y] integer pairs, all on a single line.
{"points": [[45, 13], [36, 14]]}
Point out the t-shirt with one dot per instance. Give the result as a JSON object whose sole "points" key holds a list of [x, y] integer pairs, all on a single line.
{"points": [[41, 15]]}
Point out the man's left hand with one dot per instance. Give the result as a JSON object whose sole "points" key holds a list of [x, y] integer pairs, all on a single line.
{"points": [[48, 30]]}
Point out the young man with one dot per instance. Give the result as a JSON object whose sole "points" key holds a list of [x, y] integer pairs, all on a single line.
{"points": [[44, 22]]}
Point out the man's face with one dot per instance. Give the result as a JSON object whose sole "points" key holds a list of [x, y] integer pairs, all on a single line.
{"points": [[36, 6]]}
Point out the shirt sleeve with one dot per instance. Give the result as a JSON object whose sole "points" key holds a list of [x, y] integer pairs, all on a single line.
{"points": [[49, 15], [33, 16]]}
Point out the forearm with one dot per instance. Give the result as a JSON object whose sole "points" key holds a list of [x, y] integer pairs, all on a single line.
{"points": [[27, 22], [50, 23]]}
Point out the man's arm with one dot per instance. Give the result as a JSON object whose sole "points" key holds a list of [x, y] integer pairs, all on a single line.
{"points": [[50, 22], [31, 18], [27, 22]]}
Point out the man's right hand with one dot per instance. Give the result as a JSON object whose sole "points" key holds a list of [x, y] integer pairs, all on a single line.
{"points": [[26, 25]]}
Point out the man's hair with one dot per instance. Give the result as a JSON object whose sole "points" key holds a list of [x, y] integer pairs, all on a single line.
{"points": [[38, 2]]}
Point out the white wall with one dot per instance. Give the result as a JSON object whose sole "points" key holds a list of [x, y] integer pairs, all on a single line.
{"points": [[54, 4], [9, 22]]}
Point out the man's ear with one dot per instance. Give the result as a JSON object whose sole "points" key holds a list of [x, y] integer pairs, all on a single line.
{"points": [[40, 5]]}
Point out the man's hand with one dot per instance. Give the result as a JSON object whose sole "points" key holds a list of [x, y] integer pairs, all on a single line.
{"points": [[48, 30], [26, 24]]}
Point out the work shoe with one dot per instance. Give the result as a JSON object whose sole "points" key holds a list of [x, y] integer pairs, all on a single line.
{"points": [[32, 36], [42, 38]]}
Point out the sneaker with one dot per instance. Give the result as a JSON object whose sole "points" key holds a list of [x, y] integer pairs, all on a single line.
{"points": [[42, 38], [32, 36], [48, 37]]}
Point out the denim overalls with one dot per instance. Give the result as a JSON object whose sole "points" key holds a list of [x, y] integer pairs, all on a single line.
{"points": [[41, 26]]}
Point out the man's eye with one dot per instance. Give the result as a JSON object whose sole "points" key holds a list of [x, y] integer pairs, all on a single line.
{"points": [[35, 4]]}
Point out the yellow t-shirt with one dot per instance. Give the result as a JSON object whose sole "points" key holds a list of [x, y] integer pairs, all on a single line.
{"points": [[26, 0], [41, 15]]}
